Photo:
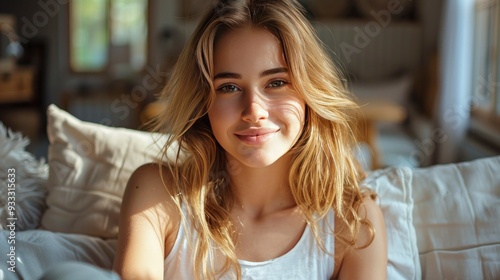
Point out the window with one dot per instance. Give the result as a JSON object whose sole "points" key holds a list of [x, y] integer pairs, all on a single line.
{"points": [[485, 100], [108, 35], [486, 71]]}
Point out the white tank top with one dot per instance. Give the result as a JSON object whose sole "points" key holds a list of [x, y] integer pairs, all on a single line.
{"points": [[306, 260]]}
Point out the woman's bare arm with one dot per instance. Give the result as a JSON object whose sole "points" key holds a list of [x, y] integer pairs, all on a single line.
{"points": [[369, 262], [149, 221]]}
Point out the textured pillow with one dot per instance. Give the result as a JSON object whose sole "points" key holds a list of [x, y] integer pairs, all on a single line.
{"points": [[457, 219], [89, 167], [393, 187], [29, 178]]}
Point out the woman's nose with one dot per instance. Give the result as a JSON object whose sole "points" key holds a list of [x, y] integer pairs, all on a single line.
{"points": [[255, 107]]}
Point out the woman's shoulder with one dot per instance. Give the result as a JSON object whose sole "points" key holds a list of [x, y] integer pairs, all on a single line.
{"points": [[150, 187], [148, 219], [369, 255], [152, 177], [151, 170]]}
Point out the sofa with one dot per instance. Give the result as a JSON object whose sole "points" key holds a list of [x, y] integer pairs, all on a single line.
{"points": [[443, 221]]}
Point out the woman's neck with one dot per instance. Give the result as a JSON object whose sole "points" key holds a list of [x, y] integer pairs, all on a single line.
{"points": [[261, 191]]}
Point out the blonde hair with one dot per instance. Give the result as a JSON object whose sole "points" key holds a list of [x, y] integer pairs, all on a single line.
{"points": [[324, 174]]}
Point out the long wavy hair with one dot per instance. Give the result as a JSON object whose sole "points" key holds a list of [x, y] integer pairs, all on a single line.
{"points": [[324, 173]]}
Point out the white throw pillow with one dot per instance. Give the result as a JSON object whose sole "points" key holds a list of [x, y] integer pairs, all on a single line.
{"points": [[22, 183], [90, 165], [457, 219], [393, 187]]}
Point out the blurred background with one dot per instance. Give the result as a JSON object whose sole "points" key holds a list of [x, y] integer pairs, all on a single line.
{"points": [[426, 72]]}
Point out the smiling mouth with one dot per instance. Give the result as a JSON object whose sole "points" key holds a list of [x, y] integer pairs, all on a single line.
{"points": [[256, 137]]}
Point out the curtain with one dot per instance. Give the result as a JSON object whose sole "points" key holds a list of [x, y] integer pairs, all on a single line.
{"points": [[456, 52]]}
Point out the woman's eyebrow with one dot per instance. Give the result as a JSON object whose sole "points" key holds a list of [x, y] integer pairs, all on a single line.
{"points": [[274, 71], [231, 75]]}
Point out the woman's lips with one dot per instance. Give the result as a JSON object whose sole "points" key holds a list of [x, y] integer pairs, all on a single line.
{"points": [[256, 136]]}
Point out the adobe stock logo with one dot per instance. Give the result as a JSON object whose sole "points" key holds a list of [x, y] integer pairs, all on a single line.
{"points": [[31, 27]]}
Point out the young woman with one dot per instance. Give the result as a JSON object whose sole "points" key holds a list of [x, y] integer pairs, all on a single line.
{"points": [[265, 185]]}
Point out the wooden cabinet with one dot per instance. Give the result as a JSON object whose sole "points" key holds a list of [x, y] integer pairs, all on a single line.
{"points": [[17, 86]]}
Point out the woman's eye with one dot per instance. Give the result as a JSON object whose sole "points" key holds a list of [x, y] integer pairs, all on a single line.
{"points": [[228, 88], [277, 83]]}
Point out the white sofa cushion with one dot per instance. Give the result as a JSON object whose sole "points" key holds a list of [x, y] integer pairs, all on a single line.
{"points": [[457, 219], [89, 167]]}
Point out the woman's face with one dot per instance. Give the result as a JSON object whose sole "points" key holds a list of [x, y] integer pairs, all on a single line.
{"points": [[256, 116]]}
